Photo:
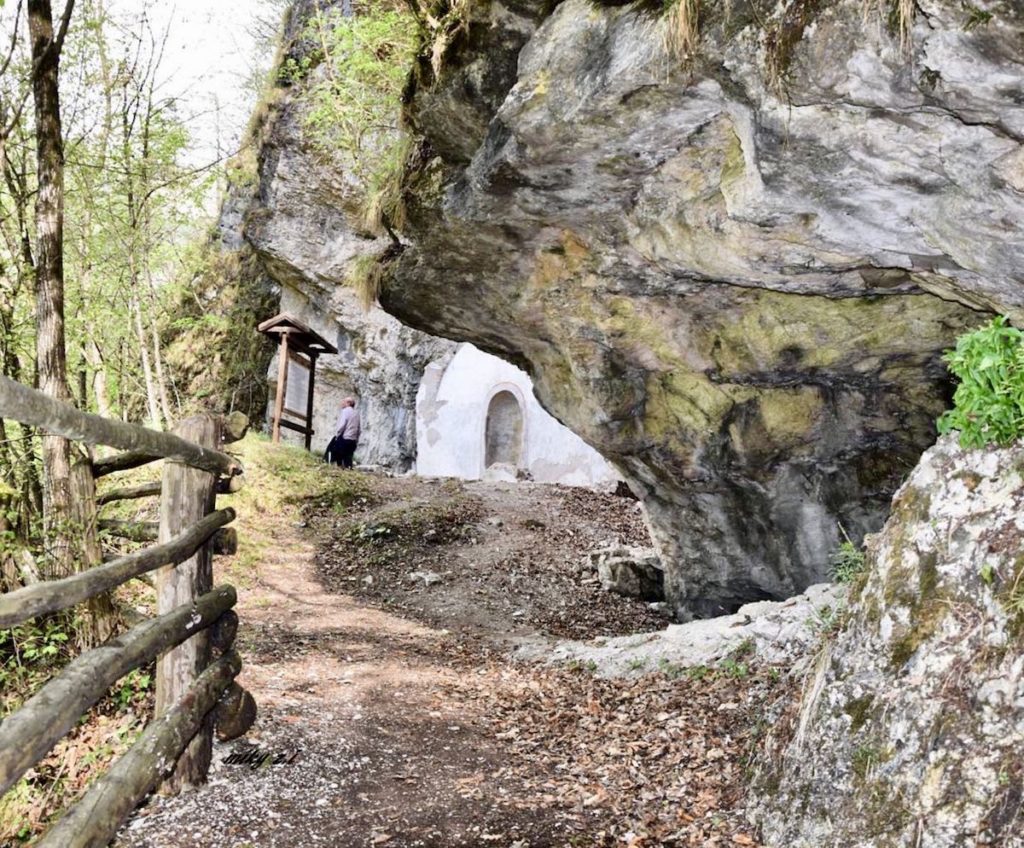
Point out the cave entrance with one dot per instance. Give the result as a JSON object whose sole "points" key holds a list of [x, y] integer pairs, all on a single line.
{"points": [[503, 433]]}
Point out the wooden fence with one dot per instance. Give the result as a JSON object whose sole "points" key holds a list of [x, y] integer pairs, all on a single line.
{"points": [[191, 638]]}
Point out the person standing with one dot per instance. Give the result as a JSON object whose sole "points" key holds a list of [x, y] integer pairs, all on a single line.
{"points": [[346, 433]]}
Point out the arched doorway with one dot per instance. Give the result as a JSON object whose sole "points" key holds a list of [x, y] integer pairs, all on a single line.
{"points": [[503, 434]]}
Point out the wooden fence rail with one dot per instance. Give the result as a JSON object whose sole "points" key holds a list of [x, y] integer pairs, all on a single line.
{"points": [[143, 490], [41, 598], [27, 736], [28, 406], [122, 462], [223, 540], [193, 684], [96, 817]]}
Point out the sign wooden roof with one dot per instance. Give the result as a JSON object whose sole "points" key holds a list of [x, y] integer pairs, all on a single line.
{"points": [[300, 337]]}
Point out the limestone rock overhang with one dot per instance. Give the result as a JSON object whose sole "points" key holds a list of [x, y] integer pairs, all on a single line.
{"points": [[737, 294]]}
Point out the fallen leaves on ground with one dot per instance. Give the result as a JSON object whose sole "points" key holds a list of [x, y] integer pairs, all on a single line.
{"points": [[646, 762]]}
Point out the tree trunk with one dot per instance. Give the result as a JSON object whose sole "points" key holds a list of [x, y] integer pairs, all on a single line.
{"points": [[69, 503], [94, 357], [152, 402], [158, 361], [51, 358]]}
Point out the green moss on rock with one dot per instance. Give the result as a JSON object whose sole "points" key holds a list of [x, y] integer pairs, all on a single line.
{"points": [[859, 710], [925, 620]]}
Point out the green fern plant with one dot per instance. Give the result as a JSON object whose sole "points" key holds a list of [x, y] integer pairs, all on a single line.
{"points": [[988, 406]]}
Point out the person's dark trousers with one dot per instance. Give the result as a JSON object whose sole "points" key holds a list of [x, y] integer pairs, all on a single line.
{"points": [[346, 450], [333, 452]]}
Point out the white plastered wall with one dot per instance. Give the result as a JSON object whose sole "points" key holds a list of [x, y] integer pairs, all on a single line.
{"points": [[451, 413]]}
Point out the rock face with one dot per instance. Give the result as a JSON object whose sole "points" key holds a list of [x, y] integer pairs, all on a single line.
{"points": [[733, 275], [911, 729], [220, 365], [302, 221], [379, 362]]}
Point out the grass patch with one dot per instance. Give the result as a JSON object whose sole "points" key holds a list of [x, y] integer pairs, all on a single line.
{"points": [[733, 668], [1013, 600], [285, 475], [289, 482], [684, 21], [353, 74], [866, 758], [364, 277], [682, 28], [782, 38], [847, 562]]}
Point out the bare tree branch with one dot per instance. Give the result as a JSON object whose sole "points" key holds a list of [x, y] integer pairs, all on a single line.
{"points": [[14, 40], [65, 20]]}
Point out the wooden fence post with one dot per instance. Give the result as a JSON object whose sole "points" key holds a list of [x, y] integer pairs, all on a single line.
{"points": [[309, 399], [187, 495]]}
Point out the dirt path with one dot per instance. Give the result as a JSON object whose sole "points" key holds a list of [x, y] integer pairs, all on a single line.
{"points": [[418, 730]]}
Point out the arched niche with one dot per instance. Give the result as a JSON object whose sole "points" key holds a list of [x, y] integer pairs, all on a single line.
{"points": [[503, 431]]}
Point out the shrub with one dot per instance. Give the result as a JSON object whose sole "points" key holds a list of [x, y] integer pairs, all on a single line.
{"points": [[28, 656], [355, 74], [847, 563], [847, 560], [988, 407]]}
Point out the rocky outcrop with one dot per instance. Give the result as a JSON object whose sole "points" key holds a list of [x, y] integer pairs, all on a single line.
{"points": [[765, 632], [733, 275], [629, 570], [216, 360], [911, 728], [303, 221]]}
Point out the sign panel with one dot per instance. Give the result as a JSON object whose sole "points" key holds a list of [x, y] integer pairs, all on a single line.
{"points": [[298, 387]]}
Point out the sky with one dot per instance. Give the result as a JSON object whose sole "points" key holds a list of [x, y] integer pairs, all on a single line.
{"points": [[215, 51], [212, 51]]}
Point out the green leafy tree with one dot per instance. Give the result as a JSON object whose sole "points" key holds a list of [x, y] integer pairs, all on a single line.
{"points": [[88, 278]]}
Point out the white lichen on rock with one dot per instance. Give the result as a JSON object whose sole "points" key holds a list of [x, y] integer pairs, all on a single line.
{"points": [[911, 729]]}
